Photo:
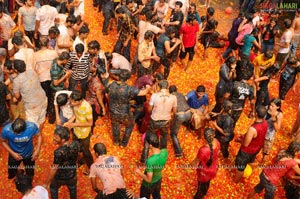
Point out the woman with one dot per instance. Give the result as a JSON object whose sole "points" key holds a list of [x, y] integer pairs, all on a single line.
{"points": [[249, 42], [268, 35], [206, 162], [274, 119], [227, 73], [224, 127], [245, 27], [288, 76], [281, 164]]}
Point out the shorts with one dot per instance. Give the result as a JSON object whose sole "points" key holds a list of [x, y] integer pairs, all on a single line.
{"points": [[268, 146], [242, 159], [191, 52], [37, 114]]}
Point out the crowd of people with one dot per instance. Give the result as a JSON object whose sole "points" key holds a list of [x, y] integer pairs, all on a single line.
{"points": [[49, 71]]}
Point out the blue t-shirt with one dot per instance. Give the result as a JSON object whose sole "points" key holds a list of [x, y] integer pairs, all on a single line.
{"points": [[194, 102], [160, 46], [248, 43], [21, 143]]}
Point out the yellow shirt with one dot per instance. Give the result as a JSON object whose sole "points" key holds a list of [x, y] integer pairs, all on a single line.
{"points": [[260, 64], [83, 114]]}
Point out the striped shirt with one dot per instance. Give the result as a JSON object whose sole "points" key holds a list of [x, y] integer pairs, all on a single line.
{"points": [[80, 66]]}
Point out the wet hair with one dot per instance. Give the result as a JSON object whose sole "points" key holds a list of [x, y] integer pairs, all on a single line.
{"points": [[124, 75], [248, 73], [152, 139], [71, 19], [18, 126], [19, 65], [203, 18], [209, 135], [191, 17], [64, 56], [79, 48], [149, 16], [23, 182], [63, 133], [261, 111], [210, 11], [76, 95], [227, 106], [230, 60], [108, 55], [171, 30], [94, 44], [290, 152], [200, 88], [8, 64], [18, 33], [172, 89], [62, 99], [120, 10], [129, 1], [158, 76], [163, 84], [241, 14], [100, 148], [268, 54], [83, 30], [277, 102], [193, 5], [273, 69], [178, 3], [287, 23], [255, 31], [148, 35], [249, 17], [17, 40], [54, 30], [43, 41]]}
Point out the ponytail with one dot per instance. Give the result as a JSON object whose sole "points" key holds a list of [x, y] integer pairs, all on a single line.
{"points": [[209, 135]]}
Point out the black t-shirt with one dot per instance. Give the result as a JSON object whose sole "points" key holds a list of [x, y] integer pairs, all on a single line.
{"points": [[66, 157], [269, 73], [4, 115], [120, 95], [177, 16], [240, 92], [225, 122], [289, 73]]}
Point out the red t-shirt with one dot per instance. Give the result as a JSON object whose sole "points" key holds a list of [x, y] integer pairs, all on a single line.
{"points": [[276, 170], [205, 173], [289, 175], [257, 143], [189, 34]]}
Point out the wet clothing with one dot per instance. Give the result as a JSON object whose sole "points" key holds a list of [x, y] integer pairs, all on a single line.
{"points": [[287, 79]]}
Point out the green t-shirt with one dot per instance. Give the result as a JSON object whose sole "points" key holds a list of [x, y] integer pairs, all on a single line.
{"points": [[56, 72], [155, 164]]}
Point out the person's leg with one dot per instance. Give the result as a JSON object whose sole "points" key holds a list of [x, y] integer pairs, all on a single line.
{"points": [[156, 190], [54, 187], [85, 144], [145, 191], [202, 190], [179, 119], [127, 51], [224, 149], [241, 162], [107, 17], [13, 166], [72, 186], [118, 47], [129, 123], [164, 131], [116, 126], [166, 63], [29, 166]]}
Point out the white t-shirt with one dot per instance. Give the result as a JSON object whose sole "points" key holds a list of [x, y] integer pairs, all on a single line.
{"points": [[67, 110], [38, 192], [46, 15], [286, 38], [78, 41], [80, 9], [120, 62], [27, 55], [143, 27]]}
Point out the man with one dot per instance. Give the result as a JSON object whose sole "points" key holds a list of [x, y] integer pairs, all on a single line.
{"points": [[126, 33], [198, 102], [152, 177], [183, 115], [23, 53], [26, 18], [120, 94], [98, 55], [82, 36], [82, 122], [109, 170], [177, 16], [295, 43], [188, 36], [4, 95], [59, 77], [6, 25], [45, 17], [117, 61], [42, 63], [11, 48], [252, 142], [17, 139], [64, 168], [79, 63], [27, 86], [62, 105], [64, 40], [162, 105], [262, 62]]}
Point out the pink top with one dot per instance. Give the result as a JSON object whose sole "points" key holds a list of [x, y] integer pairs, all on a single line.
{"points": [[108, 169], [276, 170], [247, 29], [205, 173]]}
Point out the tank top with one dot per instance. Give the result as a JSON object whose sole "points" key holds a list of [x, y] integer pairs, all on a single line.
{"points": [[257, 143]]}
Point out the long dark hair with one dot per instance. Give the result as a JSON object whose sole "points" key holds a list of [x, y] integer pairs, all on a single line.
{"points": [[290, 152], [209, 135]]}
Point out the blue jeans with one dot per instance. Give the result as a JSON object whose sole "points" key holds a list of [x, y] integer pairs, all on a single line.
{"points": [[178, 121], [227, 52], [266, 47], [71, 184], [265, 184], [119, 48]]}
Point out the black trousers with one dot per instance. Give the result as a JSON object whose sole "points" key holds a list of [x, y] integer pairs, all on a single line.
{"points": [[154, 190], [202, 190], [13, 166]]}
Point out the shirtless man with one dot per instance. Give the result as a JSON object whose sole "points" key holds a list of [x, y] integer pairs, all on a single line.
{"points": [[296, 38]]}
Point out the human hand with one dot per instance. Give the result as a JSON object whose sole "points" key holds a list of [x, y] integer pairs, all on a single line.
{"points": [[69, 125], [16, 156], [35, 155]]}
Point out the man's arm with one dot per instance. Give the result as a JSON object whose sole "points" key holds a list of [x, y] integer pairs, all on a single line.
{"points": [[36, 30], [37, 150], [56, 82], [94, 184], [15, 155], [147, 177], [251, 133]]}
